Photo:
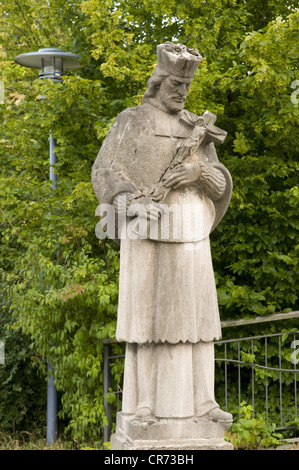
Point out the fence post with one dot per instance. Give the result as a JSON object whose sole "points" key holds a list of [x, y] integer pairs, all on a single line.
{"points": [[107, 385], [51, 408]]}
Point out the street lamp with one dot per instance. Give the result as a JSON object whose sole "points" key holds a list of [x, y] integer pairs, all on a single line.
{"points": [[53, 63]]}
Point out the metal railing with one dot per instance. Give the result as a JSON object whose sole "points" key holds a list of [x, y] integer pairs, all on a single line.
{"points": [[238, 368], [269, 375]]}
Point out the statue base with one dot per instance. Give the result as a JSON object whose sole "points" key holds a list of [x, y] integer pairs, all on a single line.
{"points": [[169, 434]]}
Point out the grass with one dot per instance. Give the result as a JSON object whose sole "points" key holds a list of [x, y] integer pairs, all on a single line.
{"points": [[27, 441], [24, 440]]}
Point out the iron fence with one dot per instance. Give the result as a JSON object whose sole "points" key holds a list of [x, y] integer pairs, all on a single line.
{"points": [[244, 371], [263, 376]]}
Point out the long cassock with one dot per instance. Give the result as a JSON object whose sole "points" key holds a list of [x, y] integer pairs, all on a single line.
{"points": [[167, 311]]}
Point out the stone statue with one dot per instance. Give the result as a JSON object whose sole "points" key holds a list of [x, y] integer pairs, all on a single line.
{"points": [[159, 171]]}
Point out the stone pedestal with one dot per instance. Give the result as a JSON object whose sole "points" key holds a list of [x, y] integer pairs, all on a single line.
{"points": [[169, 434]]}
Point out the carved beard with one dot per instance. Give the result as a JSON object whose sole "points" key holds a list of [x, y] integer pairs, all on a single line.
{"points": [[173, 106]]}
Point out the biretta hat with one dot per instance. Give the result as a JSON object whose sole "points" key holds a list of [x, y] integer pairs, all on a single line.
{"points": [[178, 59]]}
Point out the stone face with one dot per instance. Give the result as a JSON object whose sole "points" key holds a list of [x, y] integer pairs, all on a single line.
{"points": [[159, 173]]}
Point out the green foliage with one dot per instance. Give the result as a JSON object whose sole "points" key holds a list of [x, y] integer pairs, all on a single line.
{"points": [[251, 433], [60, 283], [23, 389]]}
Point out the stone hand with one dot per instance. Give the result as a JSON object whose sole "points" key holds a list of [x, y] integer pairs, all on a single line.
{"points": [[156, 195], [183, 175]]}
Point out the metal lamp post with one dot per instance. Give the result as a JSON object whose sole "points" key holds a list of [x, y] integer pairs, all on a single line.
{"points": [[53, 63]]}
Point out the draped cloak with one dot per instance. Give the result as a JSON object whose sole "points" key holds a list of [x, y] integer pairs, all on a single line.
{"points": [[167, 290]]}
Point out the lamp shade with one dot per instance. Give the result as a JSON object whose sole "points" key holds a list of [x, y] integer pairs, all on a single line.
{"points": [[51, 61]]}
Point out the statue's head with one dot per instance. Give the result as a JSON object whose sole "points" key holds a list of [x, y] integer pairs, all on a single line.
{"points": [[171, 79]]}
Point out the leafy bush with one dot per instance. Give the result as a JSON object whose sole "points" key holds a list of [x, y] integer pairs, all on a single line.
{"points": [[23, 391], [250, 433]]}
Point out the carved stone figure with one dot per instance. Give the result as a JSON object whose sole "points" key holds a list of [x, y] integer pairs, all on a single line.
{"points": [[159, 171]]}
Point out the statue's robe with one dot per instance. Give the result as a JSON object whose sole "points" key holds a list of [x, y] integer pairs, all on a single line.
{"points": [[167, 292]]}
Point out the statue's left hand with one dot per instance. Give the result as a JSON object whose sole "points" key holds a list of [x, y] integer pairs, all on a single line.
{"points": [[183, 175]]}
